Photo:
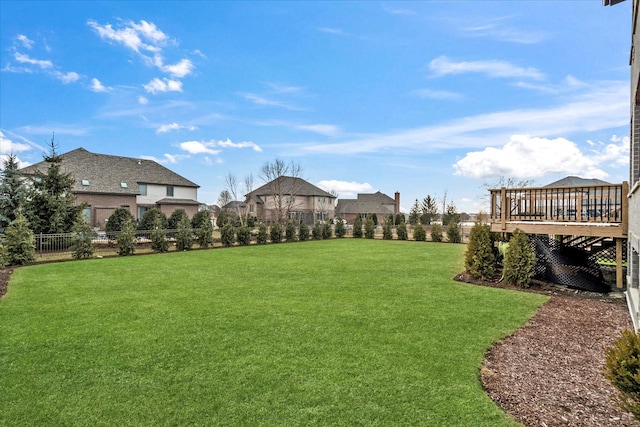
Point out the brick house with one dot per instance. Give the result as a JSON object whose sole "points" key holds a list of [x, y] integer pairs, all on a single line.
{"points": [[368, 204], [106, 182]]}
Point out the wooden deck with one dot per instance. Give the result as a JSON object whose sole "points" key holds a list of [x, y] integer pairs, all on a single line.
{"points": [[595, 210]]}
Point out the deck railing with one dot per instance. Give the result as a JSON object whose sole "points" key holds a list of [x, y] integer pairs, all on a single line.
{"points": [[582, 204]]}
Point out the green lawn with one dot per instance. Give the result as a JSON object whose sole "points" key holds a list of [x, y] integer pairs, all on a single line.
{"points": [[341, 332]]}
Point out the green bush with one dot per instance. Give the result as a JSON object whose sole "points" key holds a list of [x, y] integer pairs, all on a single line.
{"points": [[357, 227], [159, 241], [81, 242], [184, 236], [479, 258], [20, 242], [401, 231], [199, 218], [149, 217], [201, 221], [341, 230], [262, 234], [436, 233], [519, 260], [275, 233], [4, 256], [175, 218], [116, 221], [387, 228], [454, 234], [622, 368], [126, 240], [244, 235], [228, 234], [290, 232], [303, 233], [419, 233], [326, 230], [369, 228], [316, 232]]}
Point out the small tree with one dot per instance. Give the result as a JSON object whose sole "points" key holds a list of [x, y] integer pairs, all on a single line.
{"points": [[159, 241], [184, 236], [127, 239], [228, 234], [20, 242], [201, 221], [262, 234], [436, 233], [244, 235], [387, 228], [454, 234], [303, 232], [369, 228], [357, 227], [340, 230], [622, 368], [419, 233], [148, 220], [276, 233], [401, 231], [316, 232], [519, 260], [429, 210], [414, 213], [13, 192], [479, 259], [400, 218], [175, 218], [450, 215], [116, 221], [290, 232], [81, 242], [326, 230]]}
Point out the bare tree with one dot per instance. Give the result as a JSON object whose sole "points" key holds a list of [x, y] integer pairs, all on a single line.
{"points": [[284, 181], [224, 198], [506, 182], [232, 185]]}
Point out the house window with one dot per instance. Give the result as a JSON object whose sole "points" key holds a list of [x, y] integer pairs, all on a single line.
{"points": [[251, 208], [124, 185], [86, 213], [141, 211], [169, 191], [143, 189], [85, 182]]}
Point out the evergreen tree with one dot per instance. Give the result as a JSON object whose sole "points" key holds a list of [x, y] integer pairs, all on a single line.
{"points": [[276, 233], [340, 229], [20, 242], [204, 229], [316, 232], [51, 206], [419, 233], [414, 214], [326, 230], [436, 233], [159, 241], [451, 215], [175, 218], [227, 234], [429, 210], [13, 192], [479, 260], [81, 242], [117, 220], [387, 228], [369, 228], [290, 232], [199, 218], [401, 231], [519, 260], [400, 218], [303, 233], [126, 240], [262, 234], [244, 235], [357, 227], [184, 236], [454, 234], [148, 220]]}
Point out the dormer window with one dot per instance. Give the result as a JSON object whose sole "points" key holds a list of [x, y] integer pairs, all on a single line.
{"points": [[124, 185], [85, 182]]}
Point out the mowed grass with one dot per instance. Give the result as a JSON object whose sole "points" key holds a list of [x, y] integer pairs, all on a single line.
{"points": [[340, 332]]}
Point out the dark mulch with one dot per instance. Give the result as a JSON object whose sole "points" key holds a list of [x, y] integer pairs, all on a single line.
{"points": [[549, 372]]}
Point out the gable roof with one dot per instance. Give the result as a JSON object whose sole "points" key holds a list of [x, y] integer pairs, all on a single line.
{"points": [[575, 181], [367, 203], [289, 185], [105, 173]]}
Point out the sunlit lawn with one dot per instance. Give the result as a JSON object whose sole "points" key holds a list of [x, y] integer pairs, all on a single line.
{"points": [[340, 332]]}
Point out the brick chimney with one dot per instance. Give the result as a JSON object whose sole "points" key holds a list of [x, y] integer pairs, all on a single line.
{"points": [[396, 210]]}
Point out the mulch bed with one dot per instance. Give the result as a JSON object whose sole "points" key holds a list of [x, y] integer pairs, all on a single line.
{"points": [[549, 372]]}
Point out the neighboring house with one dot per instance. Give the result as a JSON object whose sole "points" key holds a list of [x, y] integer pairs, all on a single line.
{"points": [[289, 197], [377, 203], [633, 248], [106, 182]]}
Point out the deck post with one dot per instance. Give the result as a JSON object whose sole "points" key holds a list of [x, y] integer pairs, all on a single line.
{"points": [[619, 277], [625, 207], [503, 213]]}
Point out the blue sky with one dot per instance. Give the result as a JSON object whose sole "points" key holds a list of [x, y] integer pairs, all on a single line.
{"points": [[423, 98]]}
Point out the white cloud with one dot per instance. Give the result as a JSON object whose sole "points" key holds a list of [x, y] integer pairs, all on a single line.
{"points": [[345, 188], [142, 100], [436, 94], [25, 59], [69, 77], [166, 85], [530, 157], [197, 147], [180, 69], [259, 100], [25, 41], [7, 146], [172, 127], [336, 31], [498, 29], [442, 66], [322, 129], [244, 144], [97, 86]]}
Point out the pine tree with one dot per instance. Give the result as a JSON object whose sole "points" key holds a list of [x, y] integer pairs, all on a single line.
{"points": [[51, 206], [159, 241], [340, 229], [13, 192], [479, 260], [81, 242], [126, 239], [519, 260], [429, 210], [357, 227], [204, 233], [184, 236], [20, 242], [369, 228], [414, 213]]}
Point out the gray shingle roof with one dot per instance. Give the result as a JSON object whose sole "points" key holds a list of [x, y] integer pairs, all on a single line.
{"points": [[106, 173], [367, 203], [574, 181], [288, 185]]}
